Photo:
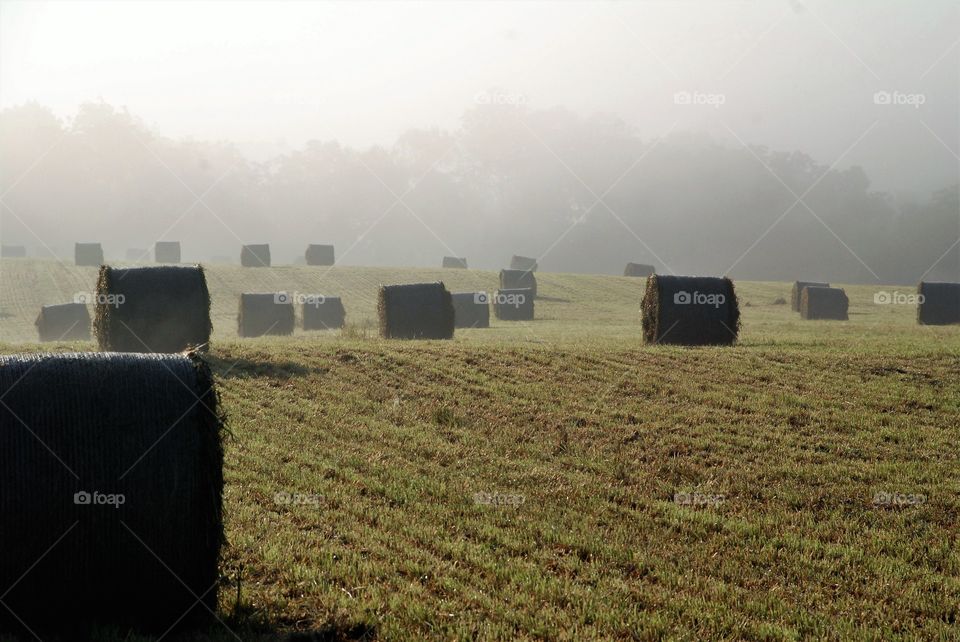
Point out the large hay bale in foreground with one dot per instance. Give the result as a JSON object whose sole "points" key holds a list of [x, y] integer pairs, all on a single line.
{"points": [[152, 309], [518, 280], [88, 254], [638, 269], [112, 499], [797, 291], [523, 263], [513, 305], [320, 255], [13, 252], [471, 309], [940, 303], [265, 313], [415, 311], [167, 251], [323, 312], [458, 262], [255, 255], [64, 322], [823, 303], [690, 310]]}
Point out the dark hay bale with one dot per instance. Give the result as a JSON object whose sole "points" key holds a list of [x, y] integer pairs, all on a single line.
{"points": [[523, 263], [101, 426], [415, 311], [690, 310], [64, 322], [513, 305], [940, 304], [255, 255], [167, 251], [798, 290], [13, 251], [152, 309], [638, 269], [455, 262], [323, 313], [88, 254], [135, 254], [265, 313], [320, 255], [823, 303], [471, 309], [518, 280]]}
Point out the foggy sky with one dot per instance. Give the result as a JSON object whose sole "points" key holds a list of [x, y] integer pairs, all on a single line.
{"points": [[270, 76]]}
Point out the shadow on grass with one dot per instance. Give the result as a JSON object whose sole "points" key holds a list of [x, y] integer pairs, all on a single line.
{"points": [[253, 369]]}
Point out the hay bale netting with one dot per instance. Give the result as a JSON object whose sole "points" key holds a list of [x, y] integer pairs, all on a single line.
{"points": [[136, 254], [106, 426], [152, 309], [323, 312], [823, 303], [459, 262], [415, 311], [255, 255], [518, 280], [690, 310], [523, 263], [513, 305], [940, 304], [13, 251], [64, 322], [265, 313], [797, 291], [166, 251], [320, 255], [88, 254], [471, 309], [638, 269]]}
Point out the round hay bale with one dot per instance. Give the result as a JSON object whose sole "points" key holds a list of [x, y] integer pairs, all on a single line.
{"points": [[152, 309], [111, 496], [88, 254], [823, 303], [471, 309], [638, 269], [513, 304], [939, 303], [63, 322], [797, 291], [255, 255], [320, 255], [323, 312], [456, 262], [415, 311], [167, 251], [690, 310], [518, 280], [524, 263], [265, 313]]}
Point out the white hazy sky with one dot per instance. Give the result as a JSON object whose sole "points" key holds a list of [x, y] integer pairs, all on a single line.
{"points": [[793, 75]]}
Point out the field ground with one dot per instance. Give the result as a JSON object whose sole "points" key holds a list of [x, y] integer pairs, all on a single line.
{"points": [[648, 491]]}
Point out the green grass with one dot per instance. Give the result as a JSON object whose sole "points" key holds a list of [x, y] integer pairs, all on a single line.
{"points": [[796, 429]]}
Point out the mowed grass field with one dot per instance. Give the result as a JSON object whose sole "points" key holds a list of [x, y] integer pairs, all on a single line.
{"points": [[647, 491]]}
